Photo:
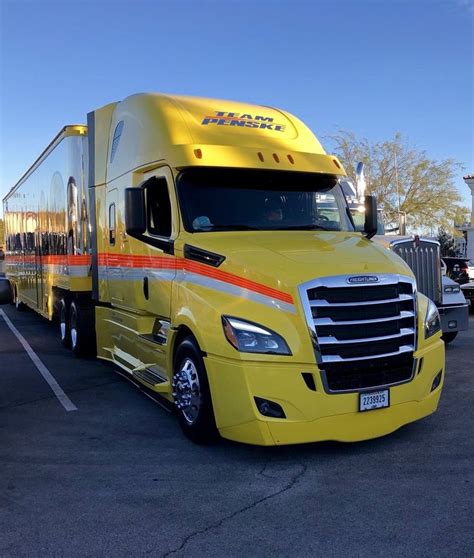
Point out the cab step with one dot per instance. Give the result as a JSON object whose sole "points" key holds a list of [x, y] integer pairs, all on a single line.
{"points": [[152, 379]]}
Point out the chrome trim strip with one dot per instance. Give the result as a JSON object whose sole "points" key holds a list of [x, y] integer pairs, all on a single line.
{"points": [[328, 321], [336, 358], [334, 281], [450, 306], [324, 303], [333, 341]]}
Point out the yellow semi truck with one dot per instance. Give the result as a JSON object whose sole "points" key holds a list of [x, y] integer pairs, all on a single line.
{"points": [[205, 247]]}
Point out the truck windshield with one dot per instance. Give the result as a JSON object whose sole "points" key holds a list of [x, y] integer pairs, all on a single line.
{"points": [[213, 199]]}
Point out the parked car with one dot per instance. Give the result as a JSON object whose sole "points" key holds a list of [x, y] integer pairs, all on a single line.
{"points": [[457, 269], [468, 292], [470, 270]]}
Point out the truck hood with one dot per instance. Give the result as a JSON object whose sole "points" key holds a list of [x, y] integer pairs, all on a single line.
{"points": [[284, 260]]}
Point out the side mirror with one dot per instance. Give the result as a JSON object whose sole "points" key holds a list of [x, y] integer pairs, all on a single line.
{"points": [[5, 291], [370, 224], [135, 214]]}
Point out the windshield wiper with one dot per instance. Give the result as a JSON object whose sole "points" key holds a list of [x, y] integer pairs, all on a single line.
{"points": [[230, 227], [307, 227]]}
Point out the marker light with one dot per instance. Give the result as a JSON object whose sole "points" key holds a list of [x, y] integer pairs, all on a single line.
{"points": [[198, 153], [277, 159], [260, 156], [290, 158]]}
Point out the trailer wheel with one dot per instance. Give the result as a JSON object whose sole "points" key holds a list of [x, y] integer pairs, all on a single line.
{"points": [[64, 331], [448, 337], [191, 393], [82, 330]]}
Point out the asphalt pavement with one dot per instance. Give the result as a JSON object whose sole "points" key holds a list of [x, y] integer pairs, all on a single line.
{"points": [[117, 478]]}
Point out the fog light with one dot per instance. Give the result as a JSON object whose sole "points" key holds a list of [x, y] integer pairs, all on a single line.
{"points": [[269, 408], [437, 380], [452, 324]]}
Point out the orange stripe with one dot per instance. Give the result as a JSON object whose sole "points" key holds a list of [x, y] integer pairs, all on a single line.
{"points": [[161, 262], [170, 262]]}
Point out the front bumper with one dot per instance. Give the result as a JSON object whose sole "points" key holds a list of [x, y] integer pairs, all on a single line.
{"points": [[457, 316], [313, 416]]}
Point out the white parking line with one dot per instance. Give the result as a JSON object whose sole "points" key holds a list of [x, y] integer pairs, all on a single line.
{"points": [[53, 384]]}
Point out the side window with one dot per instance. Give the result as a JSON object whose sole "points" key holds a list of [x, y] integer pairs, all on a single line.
{"points": [[158, 208], [112, 224], [116, 139]]}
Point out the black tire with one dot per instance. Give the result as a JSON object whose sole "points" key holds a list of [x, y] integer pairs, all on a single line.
{"points": [[201, 426], [82, 329], [448, 337], [64, 326], [5, 291]]}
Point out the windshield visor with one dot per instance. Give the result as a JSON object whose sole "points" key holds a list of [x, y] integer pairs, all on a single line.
{"points": [[242, 199]]}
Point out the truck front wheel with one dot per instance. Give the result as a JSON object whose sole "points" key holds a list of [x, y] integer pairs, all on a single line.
{"points": [[191, 393]]}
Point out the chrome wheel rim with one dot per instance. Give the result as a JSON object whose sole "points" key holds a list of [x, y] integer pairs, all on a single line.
{"points": [[62, 320], [62, 328], [186, 391], [74, 336], [73, 329]]}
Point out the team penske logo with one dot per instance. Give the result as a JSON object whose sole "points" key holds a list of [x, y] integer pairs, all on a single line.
{"points": [[223, 118]]}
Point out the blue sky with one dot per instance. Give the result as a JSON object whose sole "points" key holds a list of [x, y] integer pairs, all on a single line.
{"points": [[373, 67]]}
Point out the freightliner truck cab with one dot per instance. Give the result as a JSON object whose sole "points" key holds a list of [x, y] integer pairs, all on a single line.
{"points": [[228, 278]]}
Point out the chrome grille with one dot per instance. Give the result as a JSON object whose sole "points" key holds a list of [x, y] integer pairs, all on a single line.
{"points": [[423, 257], [364, 334]]}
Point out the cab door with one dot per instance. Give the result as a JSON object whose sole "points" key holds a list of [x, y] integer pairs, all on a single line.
{"points": [[156, 260]]}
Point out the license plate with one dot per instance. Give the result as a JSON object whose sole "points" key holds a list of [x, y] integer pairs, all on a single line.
{"points": [[374, 400]]}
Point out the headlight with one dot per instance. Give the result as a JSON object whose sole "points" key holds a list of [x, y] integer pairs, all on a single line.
{"points": [[432, 321], [248, 337], [452, 289]]}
